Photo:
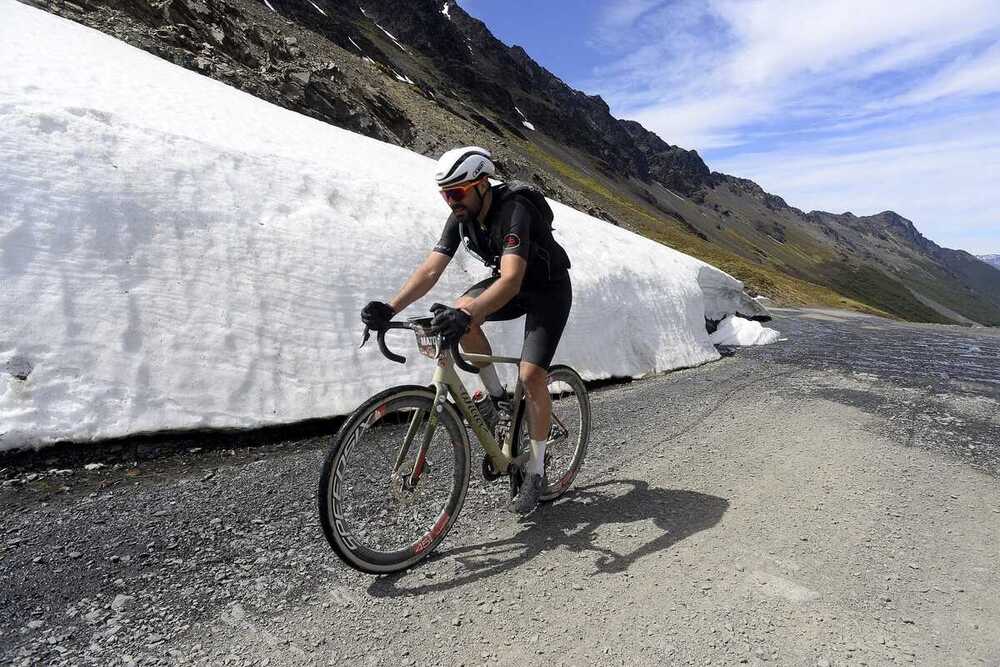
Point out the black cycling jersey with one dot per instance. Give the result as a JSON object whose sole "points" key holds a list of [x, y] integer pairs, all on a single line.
{"points": [[513, 225]]}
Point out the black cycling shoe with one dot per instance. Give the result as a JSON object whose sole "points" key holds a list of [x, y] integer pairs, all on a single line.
{"points": [[528, 495]]}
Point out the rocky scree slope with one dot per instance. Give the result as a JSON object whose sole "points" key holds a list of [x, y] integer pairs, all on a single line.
{"points": [[426, 75]]}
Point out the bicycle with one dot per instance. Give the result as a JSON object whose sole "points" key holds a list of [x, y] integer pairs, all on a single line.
{"points": [[385, 507]]}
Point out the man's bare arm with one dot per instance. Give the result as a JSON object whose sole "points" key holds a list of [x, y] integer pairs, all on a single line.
{"points": [[421, 281], [505, 288]]}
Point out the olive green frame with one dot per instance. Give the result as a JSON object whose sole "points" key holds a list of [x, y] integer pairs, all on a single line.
{"points": [[447, 383]]}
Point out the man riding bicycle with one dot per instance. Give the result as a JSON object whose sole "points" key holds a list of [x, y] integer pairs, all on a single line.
{"points": [[508, 227]]}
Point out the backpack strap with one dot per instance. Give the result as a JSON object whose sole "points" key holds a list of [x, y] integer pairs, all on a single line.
{"points": [[533, 195]]}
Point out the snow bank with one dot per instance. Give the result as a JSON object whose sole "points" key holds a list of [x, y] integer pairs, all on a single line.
{"points": [[175, 253], [735, 330]]}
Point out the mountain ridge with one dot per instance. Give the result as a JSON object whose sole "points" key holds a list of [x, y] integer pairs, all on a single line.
{"points": [[992, 260], [406, 73]]}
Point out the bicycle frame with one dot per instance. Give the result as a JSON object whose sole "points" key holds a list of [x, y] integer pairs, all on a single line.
{"points": [[447, 383]]}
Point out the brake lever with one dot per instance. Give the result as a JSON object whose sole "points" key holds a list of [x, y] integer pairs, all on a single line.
{"points": [[366, 336]]}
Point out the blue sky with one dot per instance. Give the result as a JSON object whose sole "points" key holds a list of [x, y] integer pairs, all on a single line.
{"points": [[838, 105]]}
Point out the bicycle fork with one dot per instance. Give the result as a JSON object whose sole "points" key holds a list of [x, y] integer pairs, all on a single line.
{"points": [[446, 382], [429, 426]]}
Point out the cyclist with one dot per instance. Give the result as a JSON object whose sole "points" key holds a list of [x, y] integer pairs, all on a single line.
{"points": [[508, 227]]}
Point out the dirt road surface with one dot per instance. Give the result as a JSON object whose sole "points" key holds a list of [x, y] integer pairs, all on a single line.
{"points": [[828, 500]]}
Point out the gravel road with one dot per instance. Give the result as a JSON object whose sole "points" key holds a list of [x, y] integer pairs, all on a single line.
{"points": [[830, 499]]}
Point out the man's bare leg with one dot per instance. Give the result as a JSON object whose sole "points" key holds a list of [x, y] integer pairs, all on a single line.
{"points": [[534, 379], [475, 342]]}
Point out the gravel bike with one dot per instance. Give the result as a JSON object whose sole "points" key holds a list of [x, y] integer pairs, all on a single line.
{"points": [[397, 472]]}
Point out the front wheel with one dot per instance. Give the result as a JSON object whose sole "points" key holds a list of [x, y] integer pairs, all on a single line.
{"points": [[394, 480]]}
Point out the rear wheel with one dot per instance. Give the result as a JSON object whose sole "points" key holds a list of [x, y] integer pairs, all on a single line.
{"points": [[373, 514], [569, 433]]}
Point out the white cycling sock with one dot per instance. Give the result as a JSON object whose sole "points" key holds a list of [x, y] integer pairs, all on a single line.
{"points": [[488, 374], [536, 464]]}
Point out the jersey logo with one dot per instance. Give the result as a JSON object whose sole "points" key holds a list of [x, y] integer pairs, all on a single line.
{"points": [[511, 241]]}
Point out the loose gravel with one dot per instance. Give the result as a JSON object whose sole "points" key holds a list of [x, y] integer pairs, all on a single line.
{"points": [[805, 503]]}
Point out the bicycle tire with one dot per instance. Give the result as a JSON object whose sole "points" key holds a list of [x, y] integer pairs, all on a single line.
{"points": [[564, 457], [519, 439], [361, 523]]}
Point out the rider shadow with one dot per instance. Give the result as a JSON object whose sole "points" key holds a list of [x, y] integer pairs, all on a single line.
{"points": [[572, 523]]}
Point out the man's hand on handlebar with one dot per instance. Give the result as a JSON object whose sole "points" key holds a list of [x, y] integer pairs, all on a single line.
{"points": [[451, 323], [376, 315]]}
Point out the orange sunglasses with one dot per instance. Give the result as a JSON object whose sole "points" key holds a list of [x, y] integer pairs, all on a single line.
{"points": [[457, 193]]}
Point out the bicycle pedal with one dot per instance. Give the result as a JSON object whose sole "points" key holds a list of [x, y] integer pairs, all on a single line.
{"points": [[490, 473]]}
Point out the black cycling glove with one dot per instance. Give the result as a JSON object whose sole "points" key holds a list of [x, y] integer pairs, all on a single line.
{"points": [[376, 315], [451, 323]]}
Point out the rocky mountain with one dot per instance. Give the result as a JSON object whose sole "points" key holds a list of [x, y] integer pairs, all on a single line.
{"points": [[426, 75], [992, 260]]}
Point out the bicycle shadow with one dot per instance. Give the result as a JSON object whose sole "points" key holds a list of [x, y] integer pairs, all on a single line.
{"points": [[572, 523]]}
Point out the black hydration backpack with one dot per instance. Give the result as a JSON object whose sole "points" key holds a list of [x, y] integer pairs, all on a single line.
{"points": [[544, 248]]}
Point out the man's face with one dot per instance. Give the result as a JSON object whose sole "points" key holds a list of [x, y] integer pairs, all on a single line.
{"points": [[465, 200]]}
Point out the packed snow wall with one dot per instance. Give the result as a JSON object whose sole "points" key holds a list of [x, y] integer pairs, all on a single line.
{"points": [[175, 253]]}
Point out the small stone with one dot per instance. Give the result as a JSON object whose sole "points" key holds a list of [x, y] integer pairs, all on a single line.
{"points": [[93, 466], [34, 625], [120, 601], [74, 554]]}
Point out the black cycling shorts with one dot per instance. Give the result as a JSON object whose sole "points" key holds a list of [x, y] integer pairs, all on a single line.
{"points": [[546, 309]]}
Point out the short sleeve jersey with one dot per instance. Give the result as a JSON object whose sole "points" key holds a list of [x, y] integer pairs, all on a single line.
{"points": [[507, 231]]}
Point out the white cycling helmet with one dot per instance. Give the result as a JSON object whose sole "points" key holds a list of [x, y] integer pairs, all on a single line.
{"points": [[461, 165]]}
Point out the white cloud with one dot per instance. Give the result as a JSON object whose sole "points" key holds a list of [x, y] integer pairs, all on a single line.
{"points": [[778, 51], [764, 84], [623, 14], [967, 76]]}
